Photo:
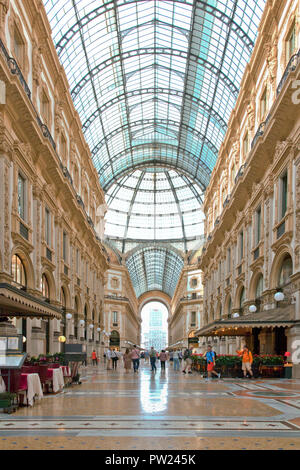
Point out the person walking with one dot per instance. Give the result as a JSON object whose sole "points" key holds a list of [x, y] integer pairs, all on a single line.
{"points": [[114, 358], [152, 355], [163, 357], [247, 360], [127, 361], [180, 357], [109, 359], [135, 356], [188, 361], [176, 359], [94, 358], [146, 357], [210, 357]]}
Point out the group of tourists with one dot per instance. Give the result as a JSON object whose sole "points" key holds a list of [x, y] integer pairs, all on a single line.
{"points": [[132, 358]]}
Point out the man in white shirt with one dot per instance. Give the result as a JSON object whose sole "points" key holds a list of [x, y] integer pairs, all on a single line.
{"points": [[109, 360]]}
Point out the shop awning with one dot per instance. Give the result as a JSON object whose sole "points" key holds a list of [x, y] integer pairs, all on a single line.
{"points": [[15, 302], [278, 317]]}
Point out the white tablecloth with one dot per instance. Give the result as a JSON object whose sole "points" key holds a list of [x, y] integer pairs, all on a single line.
{"points": [[66, 371], [34, 388], [58, 380], [2, 385]]}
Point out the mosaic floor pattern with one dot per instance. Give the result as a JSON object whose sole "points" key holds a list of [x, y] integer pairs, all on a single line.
{"points": [[114, 410]]}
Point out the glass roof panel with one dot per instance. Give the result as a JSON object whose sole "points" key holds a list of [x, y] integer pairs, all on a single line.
{"points": [[154, 83], [129, 61]]}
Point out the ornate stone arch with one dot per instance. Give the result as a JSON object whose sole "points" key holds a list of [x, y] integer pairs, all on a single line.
{"points": [[218, 314], [228, 299], [276, 265], [238, 293], [26, 260], [253, 283], [78, 310], [51, 283], [66, 290]]}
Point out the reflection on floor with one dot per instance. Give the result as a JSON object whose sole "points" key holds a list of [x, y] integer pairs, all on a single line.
{"points": [[166, 410]]}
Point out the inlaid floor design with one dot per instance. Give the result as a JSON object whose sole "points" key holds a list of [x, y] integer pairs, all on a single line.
{"points": [[114, 410]]}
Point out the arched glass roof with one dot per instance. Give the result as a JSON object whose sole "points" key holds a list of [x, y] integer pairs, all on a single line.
{"points": [[154, 268], [154, 83], [154, 204]]}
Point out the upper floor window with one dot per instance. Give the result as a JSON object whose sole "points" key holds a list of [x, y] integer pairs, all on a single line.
{"points": [[241, 247], [246, 145], [115, 317], [18, 271], [21, 196], [228, 260], [18, 48], [194, 282], [193, 319], [232, 175], [257, 225], [65, 246], [77, 261], [263, 105], [47, 226], [291, 43], [45, 107], [283, 195]]}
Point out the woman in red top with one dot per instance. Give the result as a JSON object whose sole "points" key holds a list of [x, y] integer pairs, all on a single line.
{"points": [[94, 358]]}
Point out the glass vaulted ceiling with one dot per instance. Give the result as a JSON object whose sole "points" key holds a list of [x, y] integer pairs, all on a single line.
{"points": [[154, 83]]}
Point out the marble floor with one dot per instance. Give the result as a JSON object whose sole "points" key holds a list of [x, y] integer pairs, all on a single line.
{"points": [[166, 410]]}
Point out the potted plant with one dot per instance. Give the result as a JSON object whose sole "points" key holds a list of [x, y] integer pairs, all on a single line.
{"points": [[8, 401]]}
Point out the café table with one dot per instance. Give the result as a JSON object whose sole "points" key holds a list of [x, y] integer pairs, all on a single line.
{"points": [[32, 385], [56, 375]]}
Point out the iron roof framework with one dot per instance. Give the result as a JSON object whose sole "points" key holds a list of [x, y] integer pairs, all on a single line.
{"points": [[154, 82]]}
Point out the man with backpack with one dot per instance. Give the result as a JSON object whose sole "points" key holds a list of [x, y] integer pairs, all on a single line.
{"points": [[153, 356], [188, 361], [210, 357]]}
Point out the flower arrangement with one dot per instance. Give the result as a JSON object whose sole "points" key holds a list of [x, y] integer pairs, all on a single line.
{"points": [[234, 360]]}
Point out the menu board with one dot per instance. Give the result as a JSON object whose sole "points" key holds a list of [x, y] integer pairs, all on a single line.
{"points": [[13, 361], [13, 342], [3, 343]]}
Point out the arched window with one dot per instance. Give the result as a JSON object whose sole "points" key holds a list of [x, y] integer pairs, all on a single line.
{"points": [[286, 271], [45, 287], [242, 298], [76, 308], [229, 306], [259, 287], [63, 297], [18, 271], [85, 322], [114, 340]]}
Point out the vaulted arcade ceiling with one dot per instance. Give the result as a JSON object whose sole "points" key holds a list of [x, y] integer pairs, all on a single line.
{"points": [[154, 83]]}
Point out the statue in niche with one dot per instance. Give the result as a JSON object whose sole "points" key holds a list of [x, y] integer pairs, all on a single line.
{"points": [[272, 62], [36, 63]]}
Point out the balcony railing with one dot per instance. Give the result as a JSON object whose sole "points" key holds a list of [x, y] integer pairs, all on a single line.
{"points": [[240, 173], [291, 67]]}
